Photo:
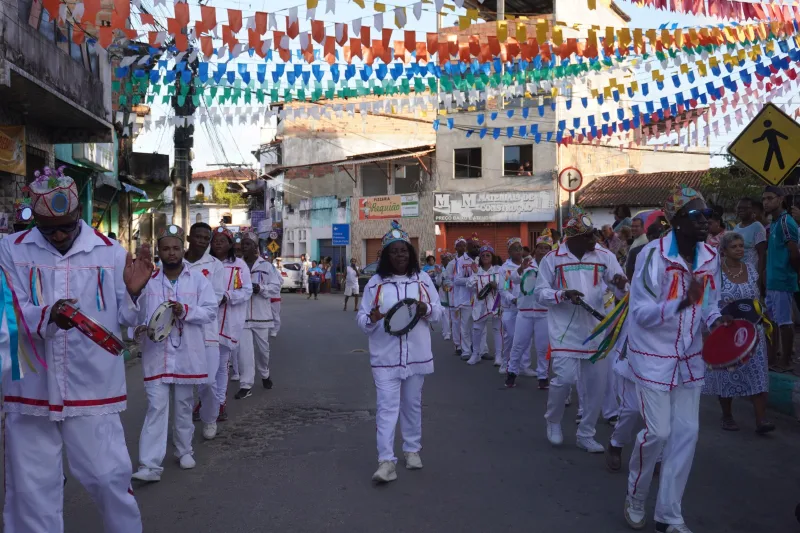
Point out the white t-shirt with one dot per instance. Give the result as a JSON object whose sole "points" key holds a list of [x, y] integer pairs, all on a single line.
{"points": [[352, 277], [753, 235]]}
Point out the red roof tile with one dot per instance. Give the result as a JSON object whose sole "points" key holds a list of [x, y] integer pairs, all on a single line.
{"points": [[225, 174], [635, 190]]}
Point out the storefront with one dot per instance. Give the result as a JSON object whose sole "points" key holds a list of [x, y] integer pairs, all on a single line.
{"points": [[494, 216]]}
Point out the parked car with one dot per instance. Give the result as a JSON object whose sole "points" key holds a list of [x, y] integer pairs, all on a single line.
{"points": [[365, 275], [292, 276]]}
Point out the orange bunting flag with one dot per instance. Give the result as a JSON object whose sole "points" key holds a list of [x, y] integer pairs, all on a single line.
{"points": [[207, 45], [209, 16], [147, 18], [90, 10], [235, 20], [318, 31], [261, 22], [411, 40], [293, 28], [52, 7], [105, 36], [78, 35], [181, 12], [181, 42]]}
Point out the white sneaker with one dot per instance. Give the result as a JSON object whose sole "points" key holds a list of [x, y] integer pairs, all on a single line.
{"points": [[474, 360], [677, 528], [590, 445], [235, 377], [465, 357], [503, 369], [554, 434], [446, 338], [634, 513], [145, 474], [498, 362], [209, 430], [529, 372], [413, 460], [385, 473], [187, 462]]}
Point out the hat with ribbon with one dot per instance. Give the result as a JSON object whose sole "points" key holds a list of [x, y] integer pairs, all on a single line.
{"points": [[545, 238], [225, 231], [578, 223], [172, 230], [678, 198], [53, 193], [461, 240], [486, 247], [394, 235], [250, 235], [512, 241]]}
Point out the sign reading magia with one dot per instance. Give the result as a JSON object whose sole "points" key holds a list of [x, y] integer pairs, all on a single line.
{"points": [[396, 206], [537, 206], [12, 149]]}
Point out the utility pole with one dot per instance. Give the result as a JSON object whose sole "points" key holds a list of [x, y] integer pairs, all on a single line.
{"points": [[183, 142]]}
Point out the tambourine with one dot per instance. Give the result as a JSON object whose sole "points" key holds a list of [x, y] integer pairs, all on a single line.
{"points": [[401, 318], [92, 329], [485, 291], [744, 309], [528, 282], [729, 347], [161, 323]]}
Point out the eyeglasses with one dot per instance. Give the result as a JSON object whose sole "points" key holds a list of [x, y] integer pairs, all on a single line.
{"points": [[694, 214], [63, 228]]}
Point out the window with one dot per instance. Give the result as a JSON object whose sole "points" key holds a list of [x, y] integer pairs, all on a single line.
{"points": [[518, 160], [411, 179], [198, 217], [227, 218], [373, 180], [200, 193], [467, 163]]}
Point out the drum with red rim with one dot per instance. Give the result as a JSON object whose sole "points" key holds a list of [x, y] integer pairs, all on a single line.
{"points": [[92, 329], [730, 346]]}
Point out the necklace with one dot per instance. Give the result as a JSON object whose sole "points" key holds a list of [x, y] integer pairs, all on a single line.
{"points": [[730, 272]]}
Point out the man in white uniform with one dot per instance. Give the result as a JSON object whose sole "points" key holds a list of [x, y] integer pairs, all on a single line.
{"points": [[351, 285], [444, 294], [305, 265], [674, 293], [574, 273], [73, 404], [275, 299], [449, 284], [462, 271]]}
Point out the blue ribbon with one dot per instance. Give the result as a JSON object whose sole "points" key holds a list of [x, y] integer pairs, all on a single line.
{"points": [[13, 332]]}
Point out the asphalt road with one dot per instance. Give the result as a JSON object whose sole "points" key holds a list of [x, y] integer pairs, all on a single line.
{"points": [[299, 458]]}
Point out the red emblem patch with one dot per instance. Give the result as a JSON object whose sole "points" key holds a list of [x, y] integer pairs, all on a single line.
{"points": [[206, 272]]}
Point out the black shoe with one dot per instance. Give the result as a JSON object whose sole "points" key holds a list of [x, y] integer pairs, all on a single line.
{"points": [[196, 413], [544, 384], [486, 357], [267, 383], [223, 414], [613, 421], [511, 379], [613, 458], [458, 352], [242, 394]]}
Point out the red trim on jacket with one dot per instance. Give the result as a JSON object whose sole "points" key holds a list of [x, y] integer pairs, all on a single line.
{"points": [[67, 403], [177, 376]]}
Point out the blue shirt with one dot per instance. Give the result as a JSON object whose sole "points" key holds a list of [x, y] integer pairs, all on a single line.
{"points": [[315, 274], [781, 276]]}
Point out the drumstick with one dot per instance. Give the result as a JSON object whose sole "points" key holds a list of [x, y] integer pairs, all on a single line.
{"points": [[591, 310]]}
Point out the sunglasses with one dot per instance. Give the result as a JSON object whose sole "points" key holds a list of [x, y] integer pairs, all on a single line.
{"points": [[694, 214], [63, 228]]}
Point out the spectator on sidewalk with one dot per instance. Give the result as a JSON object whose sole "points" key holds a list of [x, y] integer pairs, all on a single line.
{"points": [[315, 274]]}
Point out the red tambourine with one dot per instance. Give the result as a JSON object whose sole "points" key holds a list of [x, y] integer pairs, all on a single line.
{"points": [[92, 329], [730, 346]]}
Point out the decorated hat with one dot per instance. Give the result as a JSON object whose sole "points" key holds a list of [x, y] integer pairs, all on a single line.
{"points": [[578, 223], [250, 235], [461, 240], [172, 230], [53, 193], [514, 240], [679, 197], [475, 238], [486, 247], [395, 234], [545, 238], [225, 231]]}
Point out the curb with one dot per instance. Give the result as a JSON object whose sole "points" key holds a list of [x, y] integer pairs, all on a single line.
{"points": [[784, 394]]}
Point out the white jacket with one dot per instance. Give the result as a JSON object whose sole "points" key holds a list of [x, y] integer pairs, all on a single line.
{"points": [[445, 287], [491, 304], [259, 309], [180, 358], [399, 357], [238, 289], [81, 378], [664, 345], [527, 305], [509, 291], [570, 325], [460, 274], [214, 272]]}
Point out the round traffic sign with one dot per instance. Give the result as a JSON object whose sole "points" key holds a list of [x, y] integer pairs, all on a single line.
{"points": [[570, 179], [273, 235]]}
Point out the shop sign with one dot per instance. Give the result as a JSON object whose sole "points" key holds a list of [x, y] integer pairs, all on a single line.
{"points": [[12, 149], [533, 206], [99, 156], [395, 206]]}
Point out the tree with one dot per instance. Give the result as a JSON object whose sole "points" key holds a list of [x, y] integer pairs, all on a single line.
{"points": [[223, 196], [724, 186]]}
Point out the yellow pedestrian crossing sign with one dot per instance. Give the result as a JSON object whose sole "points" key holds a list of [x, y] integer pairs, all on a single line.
{"points": [[273, 247], [769, 145]]}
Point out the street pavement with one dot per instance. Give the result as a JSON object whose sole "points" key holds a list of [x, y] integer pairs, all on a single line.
{"points": [[299, 458]]}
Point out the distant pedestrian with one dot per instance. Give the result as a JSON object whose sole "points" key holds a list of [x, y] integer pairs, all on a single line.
{"points": [[315, 274], [351, 285]]}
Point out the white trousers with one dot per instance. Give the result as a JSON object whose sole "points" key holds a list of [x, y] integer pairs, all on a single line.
{"points": [[445, 322], [466, 333], [276, 317], [520, 354], [399, 398], [479, 334], [628, 413], [455, 326], [566, 373], [541, 341], [611, 402], [509, 325], [256, 341], [34, 480], [247, 366], [671, 426], [209, 403], [153, 440], [234, 362]]}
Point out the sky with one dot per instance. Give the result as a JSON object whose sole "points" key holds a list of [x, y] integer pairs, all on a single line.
{"points": [[219, 146]]}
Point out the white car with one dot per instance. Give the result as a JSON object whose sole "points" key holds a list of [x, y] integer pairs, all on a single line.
{"points": [[292, 276]]}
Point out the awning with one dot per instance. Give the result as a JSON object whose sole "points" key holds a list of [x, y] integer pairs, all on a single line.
{"points": [[378, 159]]}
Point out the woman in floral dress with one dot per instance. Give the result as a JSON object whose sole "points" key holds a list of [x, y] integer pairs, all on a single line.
{"points": [[739, 281]]}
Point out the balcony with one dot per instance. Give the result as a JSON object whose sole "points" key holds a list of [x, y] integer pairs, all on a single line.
{"points": [[49, 86]]}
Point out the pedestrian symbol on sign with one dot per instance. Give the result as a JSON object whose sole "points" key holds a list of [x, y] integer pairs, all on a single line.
{"points": [[771, 135]]}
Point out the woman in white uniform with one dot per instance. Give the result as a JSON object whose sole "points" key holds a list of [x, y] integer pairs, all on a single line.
{"points": [[399, 363], [483, 274]]}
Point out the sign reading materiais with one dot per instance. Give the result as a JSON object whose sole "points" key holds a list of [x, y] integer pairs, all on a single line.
{"points": [[395, 206], [769, 145], [536, 206], [12, 149]]}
